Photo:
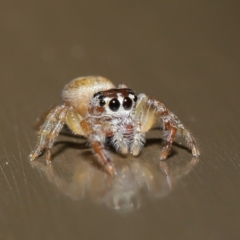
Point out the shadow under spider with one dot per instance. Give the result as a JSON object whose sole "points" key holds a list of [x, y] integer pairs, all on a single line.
{"points": [[109, 147], [123, 193]]}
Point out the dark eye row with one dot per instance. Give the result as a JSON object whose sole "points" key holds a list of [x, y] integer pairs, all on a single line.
{"points": [[114, 104]]}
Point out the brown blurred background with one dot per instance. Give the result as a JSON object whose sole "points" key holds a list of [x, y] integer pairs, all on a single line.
{"points": [[184, 53]]}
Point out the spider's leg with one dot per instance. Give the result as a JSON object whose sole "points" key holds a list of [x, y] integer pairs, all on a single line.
{"points": [[171, 126], [149, 111], [49, 131], [189, 139], [169, 134], [96, 140]]}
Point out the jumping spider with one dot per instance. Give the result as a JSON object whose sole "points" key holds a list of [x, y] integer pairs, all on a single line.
{"points": [[93, 107]]}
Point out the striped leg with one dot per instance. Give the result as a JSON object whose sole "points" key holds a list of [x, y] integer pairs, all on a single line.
{"points": [[49, 131]]}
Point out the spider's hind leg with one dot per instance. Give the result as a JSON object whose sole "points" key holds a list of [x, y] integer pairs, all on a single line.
{"points": [[49, 131]]}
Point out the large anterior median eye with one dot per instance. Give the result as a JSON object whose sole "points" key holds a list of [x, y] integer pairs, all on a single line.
{"points": [[114, 104], [127, 103]]}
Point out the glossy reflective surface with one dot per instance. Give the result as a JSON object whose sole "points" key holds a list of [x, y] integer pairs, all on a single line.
{"points": [[184, 54]]}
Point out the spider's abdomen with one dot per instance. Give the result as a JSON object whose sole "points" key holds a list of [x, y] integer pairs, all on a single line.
{"points": [[79, 91]]}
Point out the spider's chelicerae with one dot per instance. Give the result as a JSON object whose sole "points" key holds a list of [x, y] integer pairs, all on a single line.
{"points": [[93, 107]]}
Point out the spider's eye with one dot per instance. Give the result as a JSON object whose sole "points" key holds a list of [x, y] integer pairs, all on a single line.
{"points": [[127, 103], [135, 98], [114, 104], [98, 94], [102, 102]]}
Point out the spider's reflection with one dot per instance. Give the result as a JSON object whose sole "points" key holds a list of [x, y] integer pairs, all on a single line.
{"points": [[136, 179]]}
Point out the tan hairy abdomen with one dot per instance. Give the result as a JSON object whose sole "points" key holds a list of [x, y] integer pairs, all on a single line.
{"points": [[79, 91]]}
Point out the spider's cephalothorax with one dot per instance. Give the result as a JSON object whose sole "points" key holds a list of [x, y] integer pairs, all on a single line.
{"points": [[112, 113], [93, 107]]}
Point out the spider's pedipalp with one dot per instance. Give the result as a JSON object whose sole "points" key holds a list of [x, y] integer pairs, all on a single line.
{"points": [[138, 140], [119, 142]]}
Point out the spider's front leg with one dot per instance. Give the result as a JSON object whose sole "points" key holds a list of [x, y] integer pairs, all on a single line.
{"points": [[148, 111], [96, 139], [172, 126]]}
